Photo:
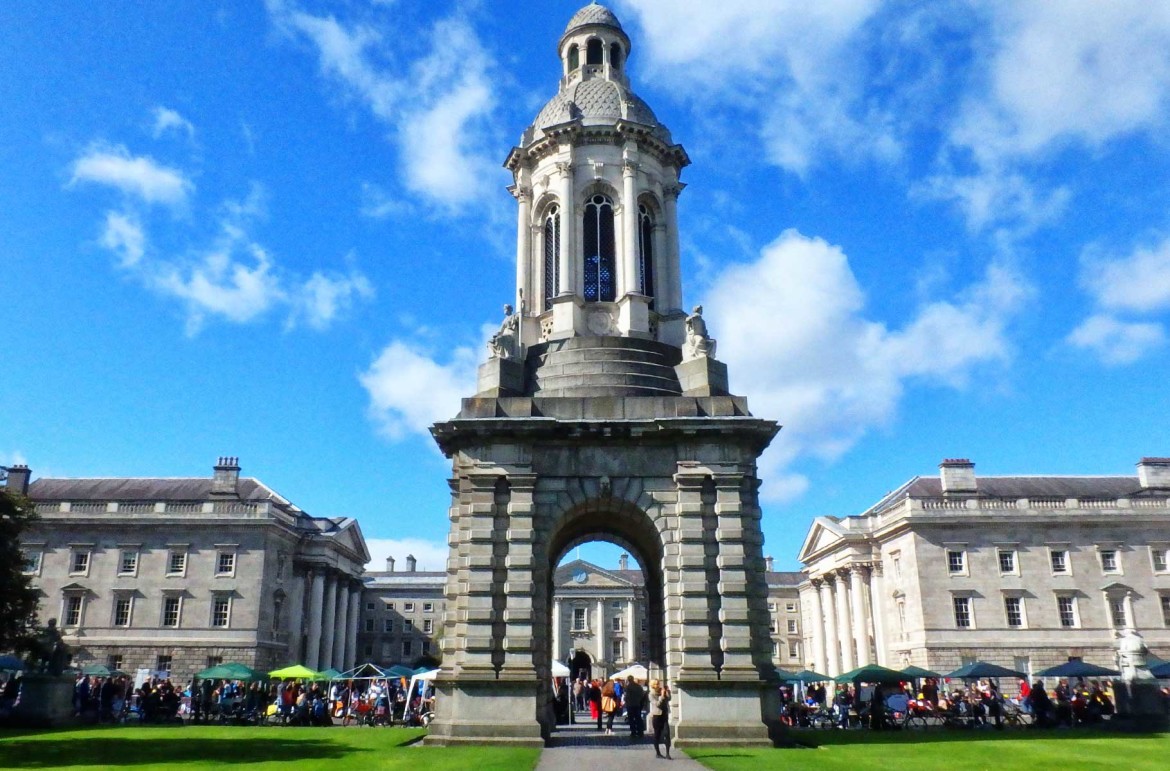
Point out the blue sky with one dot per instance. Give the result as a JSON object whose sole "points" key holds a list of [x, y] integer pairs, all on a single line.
{"points": [[278, 231]]}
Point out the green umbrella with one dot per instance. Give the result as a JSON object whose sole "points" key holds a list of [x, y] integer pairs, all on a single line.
{"points": [[808, 676], [872, 673], [1077, 669], [978, 669], [917, 673], [97, 670], [230, 671], [398, 670], [295, 672]]}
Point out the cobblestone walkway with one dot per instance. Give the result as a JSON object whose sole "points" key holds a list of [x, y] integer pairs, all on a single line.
{"points": [[581, 745]]}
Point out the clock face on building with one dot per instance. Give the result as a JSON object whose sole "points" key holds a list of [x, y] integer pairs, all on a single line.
{"points": [[580, 576]]}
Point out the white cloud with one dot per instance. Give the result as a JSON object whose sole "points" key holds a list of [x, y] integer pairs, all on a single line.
{"points": [[166, 119], [1117, 342], [409, 390], [325, 296], [139, 176], [1139, 282], [378, 204], [437, 106], [793, 330], [124, 236], [429, 554]]}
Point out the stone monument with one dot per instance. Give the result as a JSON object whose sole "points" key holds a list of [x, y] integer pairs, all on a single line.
{"points": [[613, 420], [1139, 695], [46, 693]]}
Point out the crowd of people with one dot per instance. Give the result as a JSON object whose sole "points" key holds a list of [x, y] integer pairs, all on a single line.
{"points": [[974, 704], [609, 699]]}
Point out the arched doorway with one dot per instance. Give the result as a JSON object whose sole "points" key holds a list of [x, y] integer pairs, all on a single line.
{"points": [[580, 666]]}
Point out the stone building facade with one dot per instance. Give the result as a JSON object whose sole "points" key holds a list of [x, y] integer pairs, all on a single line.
{"points": [[176, 574], [1023, 571]]}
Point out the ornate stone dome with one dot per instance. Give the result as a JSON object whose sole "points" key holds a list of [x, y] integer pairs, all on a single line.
{"points": [[597, 101], [593, 14]]}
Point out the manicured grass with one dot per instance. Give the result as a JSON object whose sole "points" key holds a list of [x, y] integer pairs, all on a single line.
{"points": [[192, 747], [953, 751]]}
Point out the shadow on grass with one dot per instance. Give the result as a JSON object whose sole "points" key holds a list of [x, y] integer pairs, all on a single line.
{"points": [[813, 738], [111, 750]]}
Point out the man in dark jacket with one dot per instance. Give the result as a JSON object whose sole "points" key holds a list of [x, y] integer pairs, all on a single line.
{"points": [[635, 698]]}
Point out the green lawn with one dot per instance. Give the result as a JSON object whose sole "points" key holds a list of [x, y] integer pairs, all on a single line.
{"points": [[191, 747], [953, 751]]}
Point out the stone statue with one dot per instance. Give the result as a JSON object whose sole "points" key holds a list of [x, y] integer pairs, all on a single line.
{"points": [[47, 652], [699, 343], [1131, 656], [504, 344]]}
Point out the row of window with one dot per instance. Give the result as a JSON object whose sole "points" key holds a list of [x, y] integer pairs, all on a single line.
{"points": [[789, 607], [1066, 607], [595, 54], [598, 248], [407, 649], [775, 626], [407, 607], [171, 615], [428, 625], [1059, 561], [81, 560], [793, 650], [616, 623]]}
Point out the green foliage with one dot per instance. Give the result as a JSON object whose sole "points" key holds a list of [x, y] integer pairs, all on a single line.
{"points": [[18, 598], [258, 749]]}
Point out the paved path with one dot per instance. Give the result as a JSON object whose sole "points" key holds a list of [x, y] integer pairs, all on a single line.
{"points": [[581, 745]]}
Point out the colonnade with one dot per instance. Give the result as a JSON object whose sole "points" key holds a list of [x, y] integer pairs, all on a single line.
{"points": [[330, 627], [847, 628]]}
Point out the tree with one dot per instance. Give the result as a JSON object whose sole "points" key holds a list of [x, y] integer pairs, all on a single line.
{"points": [[18, 597]]}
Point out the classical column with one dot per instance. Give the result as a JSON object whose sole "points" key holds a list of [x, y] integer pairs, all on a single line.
{"points": [[295, 613], [843, 625], [557, 653], [355, 607], [524, 261], [817, 628], [632, 653], [629, 271], [329, 621], [568, 227], [316, 598], [832, 643], [671, 292], [877, 613], [601, 630], [860, 622], [342, 640]]}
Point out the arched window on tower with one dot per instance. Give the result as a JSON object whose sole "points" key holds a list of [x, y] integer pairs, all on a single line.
{"points": [[552, 255], [615, 56], [599, 250], [646, 253], [574, 57], [593, 51]]}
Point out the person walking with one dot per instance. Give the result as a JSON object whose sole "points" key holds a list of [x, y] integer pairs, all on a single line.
{"points": [[609, 705], [660, 716], [595, 702], [635, 698]]}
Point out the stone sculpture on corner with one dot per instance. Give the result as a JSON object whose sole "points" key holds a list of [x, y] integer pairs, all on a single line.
{"points": [[699, 343], [504, 344]]}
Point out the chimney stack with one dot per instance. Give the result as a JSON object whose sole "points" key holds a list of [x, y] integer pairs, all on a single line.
{"points": [[18, 476], [411, 563], [957, 475], [1153, 474], [768, 564], [624, 562], [226, 475], [389, 564]]}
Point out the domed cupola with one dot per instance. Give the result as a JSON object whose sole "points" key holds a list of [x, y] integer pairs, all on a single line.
{"points": [[597, 180]]}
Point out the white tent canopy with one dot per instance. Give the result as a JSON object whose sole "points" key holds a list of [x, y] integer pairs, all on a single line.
{"points": [[637, 671], [560, 670], [423, 677]]}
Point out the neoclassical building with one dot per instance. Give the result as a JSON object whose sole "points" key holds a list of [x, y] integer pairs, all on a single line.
{"points": [[177, 574], [1023, 571]]}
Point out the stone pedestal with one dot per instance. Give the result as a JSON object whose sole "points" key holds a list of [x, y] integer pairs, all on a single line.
{"points": [[1140, 704], [500, 377], [485, 710], [718, 712], [46, 701], [634, 315], [703, 376]]}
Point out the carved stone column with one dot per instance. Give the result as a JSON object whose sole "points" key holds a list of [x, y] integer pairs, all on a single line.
{"points": [[524, 257], [329, 621], [817, 628], [843, 626], [877, 609], [568, 227], [600, 629], [832, 642], [355, 607], [629, 272], [341, 641], [860, 620], [671, 292], [316, 611]]}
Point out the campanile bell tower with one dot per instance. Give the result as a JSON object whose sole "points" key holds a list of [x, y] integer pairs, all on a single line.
{"points": [[602, 413]]}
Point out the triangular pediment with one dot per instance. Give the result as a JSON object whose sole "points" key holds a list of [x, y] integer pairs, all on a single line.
{"points": [[586, 575], [823, 534]]}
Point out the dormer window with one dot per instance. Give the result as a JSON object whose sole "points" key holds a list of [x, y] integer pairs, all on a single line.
{"points": [[594, 52]]}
